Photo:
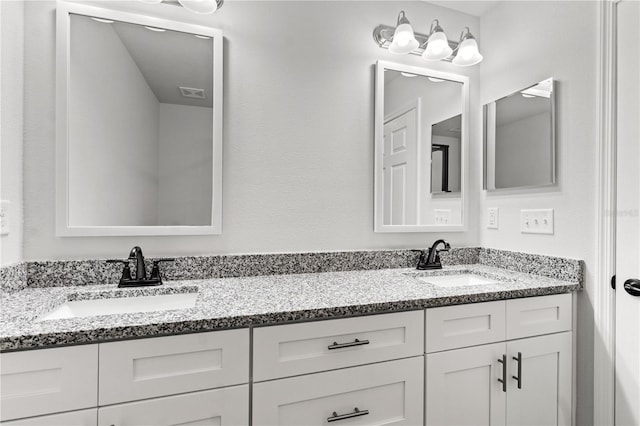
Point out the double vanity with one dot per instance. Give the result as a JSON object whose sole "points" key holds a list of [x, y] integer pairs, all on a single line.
{"points": [[472, 343]]}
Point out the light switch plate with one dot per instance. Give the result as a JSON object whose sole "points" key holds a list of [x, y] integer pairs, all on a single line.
{"points": [[492, 217], [4, 217], [536, 221], [442, 216]]}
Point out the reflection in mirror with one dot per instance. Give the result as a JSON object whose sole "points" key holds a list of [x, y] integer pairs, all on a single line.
{"points": [[420, 149], [519, 138], [141, 140], [445, 155]]}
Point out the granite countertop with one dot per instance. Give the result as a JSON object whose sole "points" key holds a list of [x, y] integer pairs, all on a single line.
{"points": [[225, 303]]}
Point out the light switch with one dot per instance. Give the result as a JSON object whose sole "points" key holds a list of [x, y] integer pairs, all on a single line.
{"points": [[492, 218], [536, 221]]}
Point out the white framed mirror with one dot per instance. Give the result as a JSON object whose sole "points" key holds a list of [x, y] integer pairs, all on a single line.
{"points": [[139, 125], [519, 139], [421, 149]]}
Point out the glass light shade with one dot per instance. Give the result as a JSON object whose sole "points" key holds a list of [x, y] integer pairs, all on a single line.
{"points": [[202, 7], [403, 40], [468, 53], [437, 47]]}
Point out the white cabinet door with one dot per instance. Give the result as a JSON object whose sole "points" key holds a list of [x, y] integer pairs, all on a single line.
{"points": [[161, 366], [294, 349], [544, 395], [387, 393], [47, 381], [462, 387], [72, 418], [220, 407]]}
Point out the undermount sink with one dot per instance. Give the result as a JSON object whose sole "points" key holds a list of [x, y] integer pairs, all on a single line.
{"points": [[121, 305], [453, 278]]}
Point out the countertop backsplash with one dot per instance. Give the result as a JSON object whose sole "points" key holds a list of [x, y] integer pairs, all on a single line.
{"points": [[60, 273]]}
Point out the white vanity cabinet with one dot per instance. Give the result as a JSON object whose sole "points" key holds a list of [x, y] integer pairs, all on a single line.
{"points": [[525, 381], [382, 383], [199, 378]]}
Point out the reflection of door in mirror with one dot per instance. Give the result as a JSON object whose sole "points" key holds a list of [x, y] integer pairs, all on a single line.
{"points": [[400, 166], [445, 156], [140, 107], [408, 172]]}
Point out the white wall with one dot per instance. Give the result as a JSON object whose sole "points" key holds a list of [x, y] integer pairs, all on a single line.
{"points": [[298, 129], [11, 125], [185, 156], [113, 132], [523, 43]]}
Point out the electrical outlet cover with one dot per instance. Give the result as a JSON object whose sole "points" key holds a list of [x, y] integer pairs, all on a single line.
{"points": [[492, 217], [4, 217]]}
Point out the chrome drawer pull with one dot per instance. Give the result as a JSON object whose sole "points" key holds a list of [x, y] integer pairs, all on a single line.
{"points": [[356, 413], [356, 342]]}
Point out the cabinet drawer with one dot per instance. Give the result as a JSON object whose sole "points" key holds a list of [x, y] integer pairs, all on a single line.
{"points": [[48, 380], [459, 326], [533, 316], [223, 407], [73, 418], [146, 368], [289, 350], [385, 393]]}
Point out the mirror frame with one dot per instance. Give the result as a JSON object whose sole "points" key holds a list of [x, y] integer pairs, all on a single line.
{"points": [[63, 228], [381, 66], [488, 167]]}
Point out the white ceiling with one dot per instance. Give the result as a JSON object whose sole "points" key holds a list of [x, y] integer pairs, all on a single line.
{"points": [[470, 7], [168, 60]]}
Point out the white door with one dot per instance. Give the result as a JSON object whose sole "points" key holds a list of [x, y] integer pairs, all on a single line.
{"points": [[627, 363], [462, 387], [539, 381], [400, 169]]}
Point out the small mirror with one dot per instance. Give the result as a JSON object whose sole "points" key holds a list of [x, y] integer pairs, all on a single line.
{"points": [[139, 116], [519, 139], [420, 149]]}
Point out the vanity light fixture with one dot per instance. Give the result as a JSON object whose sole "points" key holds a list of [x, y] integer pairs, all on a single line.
{"points": [[434, 46], [437, 47], [468, 53], [201, 7], [403, 40]]}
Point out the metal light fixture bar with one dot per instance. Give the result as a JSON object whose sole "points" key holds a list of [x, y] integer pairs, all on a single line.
{"points": [[383, 34]]}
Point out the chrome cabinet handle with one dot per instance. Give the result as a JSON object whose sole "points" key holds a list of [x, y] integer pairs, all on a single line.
{"points": [[356, 413], [503, 361], [518, 378], [356, 342]]}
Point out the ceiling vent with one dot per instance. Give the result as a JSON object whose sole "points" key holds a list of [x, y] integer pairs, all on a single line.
{"points": [[192, 92]]}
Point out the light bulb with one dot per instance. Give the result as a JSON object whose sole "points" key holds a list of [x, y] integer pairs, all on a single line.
{"points": [[468, 53], [403, 41], [437, 47]]}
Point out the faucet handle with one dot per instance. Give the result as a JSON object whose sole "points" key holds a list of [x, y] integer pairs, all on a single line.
{"points": [[155, 269], [126, 271]]}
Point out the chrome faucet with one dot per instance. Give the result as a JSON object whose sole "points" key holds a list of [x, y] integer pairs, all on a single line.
{"points": [[141, 270], [430, 258]]}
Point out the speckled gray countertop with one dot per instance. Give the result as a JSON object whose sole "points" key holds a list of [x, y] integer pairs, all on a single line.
{"points": [[249, 301]]}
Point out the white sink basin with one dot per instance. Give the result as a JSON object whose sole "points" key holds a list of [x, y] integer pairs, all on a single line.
{"points": [[457, 280], [121, 305]]}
